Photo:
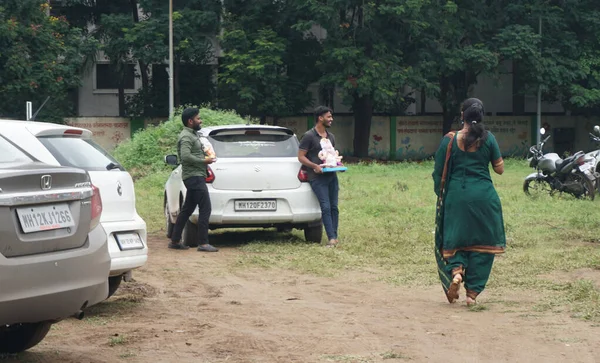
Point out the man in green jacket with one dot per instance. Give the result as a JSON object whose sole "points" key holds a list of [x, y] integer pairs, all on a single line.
{"points": [[194, 171]]}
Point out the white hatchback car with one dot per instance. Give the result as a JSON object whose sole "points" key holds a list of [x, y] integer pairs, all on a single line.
{"points": [[71, 146], [257, 181]]}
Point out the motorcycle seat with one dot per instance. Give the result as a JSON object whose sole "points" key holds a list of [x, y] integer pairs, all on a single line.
{"points": [[562, 162]]}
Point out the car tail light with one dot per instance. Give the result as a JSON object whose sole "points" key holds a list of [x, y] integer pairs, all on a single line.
{"points": [[96, 207], [580, 160], [302, 175], [73, 132], [211, 176]]}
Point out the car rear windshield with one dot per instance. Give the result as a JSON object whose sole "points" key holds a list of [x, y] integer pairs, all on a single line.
{"points": [[254, 143], [9, 153], [79, 153]]}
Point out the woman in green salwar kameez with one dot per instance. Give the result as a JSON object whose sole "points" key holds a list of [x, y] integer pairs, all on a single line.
{"points": [[469, 224]]}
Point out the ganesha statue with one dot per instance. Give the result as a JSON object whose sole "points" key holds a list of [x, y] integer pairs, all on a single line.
{"points": [[209, 151], [329, 155]]}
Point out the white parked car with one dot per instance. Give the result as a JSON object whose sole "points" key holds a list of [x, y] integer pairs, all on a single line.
{"points": [[257, 181], [53, 254], [71, 146]]}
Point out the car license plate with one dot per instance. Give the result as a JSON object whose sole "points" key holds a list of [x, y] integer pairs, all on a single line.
{"points": [[255, 205], [45, 218], [129, 241]]}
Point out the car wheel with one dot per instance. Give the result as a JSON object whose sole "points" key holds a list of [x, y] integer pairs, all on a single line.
{"points": [[169, 225], [113, 284], [189, 237], [314, 233], [19, 337]]}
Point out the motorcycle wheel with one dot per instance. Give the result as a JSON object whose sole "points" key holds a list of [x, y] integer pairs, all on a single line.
{"points": [[588, 186], [537, 187]]}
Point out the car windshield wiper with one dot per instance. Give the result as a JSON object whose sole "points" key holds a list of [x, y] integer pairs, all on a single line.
{"points": [[112, 166]]}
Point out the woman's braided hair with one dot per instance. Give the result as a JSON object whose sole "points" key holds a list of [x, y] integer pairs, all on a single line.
{"points": [[473, 112]]}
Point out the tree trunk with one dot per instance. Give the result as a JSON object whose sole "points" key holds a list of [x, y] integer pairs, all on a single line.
{"points": [[121, 99], [363, 112], [445, 100], [143, 66], [517, 97], [454, 89], [176, 96]]}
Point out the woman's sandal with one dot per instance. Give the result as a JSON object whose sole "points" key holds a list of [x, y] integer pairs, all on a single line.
{"points": [[452, 294]]}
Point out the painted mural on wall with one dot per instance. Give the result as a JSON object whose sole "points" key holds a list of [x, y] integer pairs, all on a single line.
{"points": [[513, 134], [379, 143], [108, 132], [343, 129], [417, 138]]}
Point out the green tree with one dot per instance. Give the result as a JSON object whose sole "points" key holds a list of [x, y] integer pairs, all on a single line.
{"points": [[40, 56], [136, 31], [196, 24], [458, 49], [577, 25], [565, 59], [464, 40], [268, 62], [368, 53]]}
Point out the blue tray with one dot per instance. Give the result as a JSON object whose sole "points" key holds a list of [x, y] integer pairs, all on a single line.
{"points": [[336, 168]]}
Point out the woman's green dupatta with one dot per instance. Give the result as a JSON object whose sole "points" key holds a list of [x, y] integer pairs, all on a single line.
{"points": [[443, 272]]}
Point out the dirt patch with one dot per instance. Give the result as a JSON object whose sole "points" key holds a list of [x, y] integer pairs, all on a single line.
{"points": [[138, 289], [589, 274], [186, 306]]}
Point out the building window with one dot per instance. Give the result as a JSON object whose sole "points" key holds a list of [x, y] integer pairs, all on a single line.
{"points": [[107, 76]]}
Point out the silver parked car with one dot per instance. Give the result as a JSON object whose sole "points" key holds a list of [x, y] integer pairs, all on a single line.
{"points": [[257, 181], [64, 145], [53, 254]]}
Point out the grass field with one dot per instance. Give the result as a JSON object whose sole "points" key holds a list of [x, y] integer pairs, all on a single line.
{"points": [[387, 223]]}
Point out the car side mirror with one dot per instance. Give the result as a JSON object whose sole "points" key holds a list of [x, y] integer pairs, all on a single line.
{"points": [[171, 160]]}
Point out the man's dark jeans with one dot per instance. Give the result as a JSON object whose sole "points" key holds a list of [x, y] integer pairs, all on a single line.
{"points": [[196, 195], [326, 189]]}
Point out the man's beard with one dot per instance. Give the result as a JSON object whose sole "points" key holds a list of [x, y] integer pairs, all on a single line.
{"points": [[197, 127]]}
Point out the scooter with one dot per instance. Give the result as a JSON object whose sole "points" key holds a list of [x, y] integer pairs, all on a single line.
{"points": [[553, 174]]}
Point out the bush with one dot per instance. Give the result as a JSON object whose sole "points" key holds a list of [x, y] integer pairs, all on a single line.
{"points": [[144, 153]]}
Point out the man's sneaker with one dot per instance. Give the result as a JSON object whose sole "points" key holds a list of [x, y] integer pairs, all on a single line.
{"points": [[207, 248], [178, 246]]}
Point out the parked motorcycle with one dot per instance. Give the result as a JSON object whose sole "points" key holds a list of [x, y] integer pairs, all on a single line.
{"points": [[553, 174], [593, 158]]}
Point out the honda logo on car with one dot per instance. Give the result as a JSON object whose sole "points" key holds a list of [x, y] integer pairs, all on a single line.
{"points": [[46, 182]]}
